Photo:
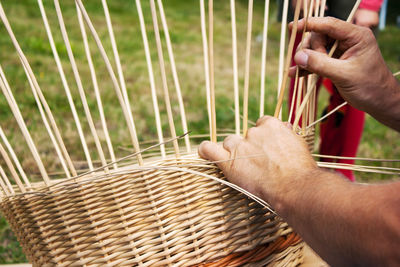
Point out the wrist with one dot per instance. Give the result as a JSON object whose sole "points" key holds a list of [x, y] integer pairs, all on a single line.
{"points": [[284, 194], [386, 108], [310, 189]]}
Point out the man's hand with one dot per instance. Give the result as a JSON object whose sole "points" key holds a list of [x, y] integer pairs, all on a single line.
{"points": [[267, 162], [357, 69]]}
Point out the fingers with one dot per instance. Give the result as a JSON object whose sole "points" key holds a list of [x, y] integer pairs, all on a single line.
{"points": [[212, 151], [231, 142], [261, 121], [302, 73], [288, 125], [332, 27], [319, 63]]}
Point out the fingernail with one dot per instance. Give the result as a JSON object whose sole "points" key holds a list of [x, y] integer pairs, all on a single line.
{"points": [[301, 59]]}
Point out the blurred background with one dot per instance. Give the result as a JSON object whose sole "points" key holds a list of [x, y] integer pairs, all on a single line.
{"points": [[183, 20]]}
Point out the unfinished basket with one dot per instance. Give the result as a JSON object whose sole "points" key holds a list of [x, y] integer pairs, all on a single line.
{"points": [[148, 208]]}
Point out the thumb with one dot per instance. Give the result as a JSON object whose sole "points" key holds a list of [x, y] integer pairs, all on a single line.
{"points": [[213, 152], [320, 63]]}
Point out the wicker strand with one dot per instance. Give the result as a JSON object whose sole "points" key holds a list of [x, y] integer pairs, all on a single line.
{"points": [[121, 94], [29, 73], [282, 48], [211, 69], [322, 8], [206, 63], [79, 83], [327, 115], [355, 158], [96, 87], [247, 68], [67, 91], [164, 78], [21, 123], [47, 126], [5, 191], [14, 158], [151, 77], [10, 189], [235, 67], [288, 59], [295, 92], [264, 57], [12, 169], [174, 74], [314, 78]]}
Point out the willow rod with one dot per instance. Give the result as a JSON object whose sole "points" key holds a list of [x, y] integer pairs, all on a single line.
{"points": [[211, 69], [264, 57], [235, 68], [12, 169], [164, 78], [14, 158], [355, 158], [333, 49], [121, 94], [47, 126], [206, 63], [174, 74], [247, 68], [5, 87], [288, 58], [327, 115], [96, 87], [3, 185], [151, 77], [67, 92], [79, 84], [282, 45], [298, 86], [4, 177], [29, 73]]}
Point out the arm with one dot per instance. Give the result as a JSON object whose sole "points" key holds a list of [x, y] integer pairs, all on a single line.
{"points": [[346, 224], [358, 71]]}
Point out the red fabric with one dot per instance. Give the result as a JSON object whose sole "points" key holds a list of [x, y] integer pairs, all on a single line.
{"points": [[341, 132], [373, 5]]}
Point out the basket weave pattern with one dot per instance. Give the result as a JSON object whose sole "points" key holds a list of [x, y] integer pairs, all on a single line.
{"points": [[140, 217]]}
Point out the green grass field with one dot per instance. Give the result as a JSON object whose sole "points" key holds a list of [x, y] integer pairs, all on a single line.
{"points": [[183, 19]]}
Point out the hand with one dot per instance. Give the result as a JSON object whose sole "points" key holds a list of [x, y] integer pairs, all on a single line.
{"points": [[357, 69], [366, 18], [267, 162]]}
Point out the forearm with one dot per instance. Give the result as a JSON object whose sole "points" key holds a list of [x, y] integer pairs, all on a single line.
{"points": [[344, 222]]}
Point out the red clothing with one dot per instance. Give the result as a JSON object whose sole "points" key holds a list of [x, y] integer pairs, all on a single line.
{"points": [[373, 5]]}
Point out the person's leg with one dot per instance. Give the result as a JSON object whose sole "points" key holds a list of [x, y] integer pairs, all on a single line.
{"points": [[352, 128], [341, 132]]}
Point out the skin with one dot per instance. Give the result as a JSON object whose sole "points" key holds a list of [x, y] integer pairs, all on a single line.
{"points": [[347, 224], [356, 58], [366, 18]]}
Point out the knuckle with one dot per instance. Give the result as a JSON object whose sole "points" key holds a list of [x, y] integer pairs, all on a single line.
{"points": [[262, 120], [369, 35], [252, 132]]}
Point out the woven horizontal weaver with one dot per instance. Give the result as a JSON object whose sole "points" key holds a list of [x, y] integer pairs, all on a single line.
{"points": [[161, 205]]}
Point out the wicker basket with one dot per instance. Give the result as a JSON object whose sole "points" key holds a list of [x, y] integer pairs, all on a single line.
{"points": [[147, 216]]}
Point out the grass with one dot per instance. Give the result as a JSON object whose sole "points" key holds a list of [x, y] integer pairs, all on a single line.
{"points": [[183, 19]]}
